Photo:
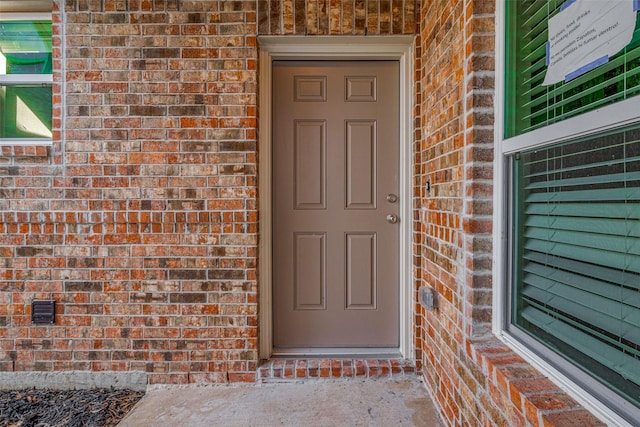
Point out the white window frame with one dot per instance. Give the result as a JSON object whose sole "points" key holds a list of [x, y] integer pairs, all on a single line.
{"points": [[29, 79], [602, 119]]}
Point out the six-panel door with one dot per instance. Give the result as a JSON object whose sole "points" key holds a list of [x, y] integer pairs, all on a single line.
{"points": [[335, 204]]}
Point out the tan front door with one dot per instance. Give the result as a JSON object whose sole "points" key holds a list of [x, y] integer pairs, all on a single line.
{"points": [[335, 204]]}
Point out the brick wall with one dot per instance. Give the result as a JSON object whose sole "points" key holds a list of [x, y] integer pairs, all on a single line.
{"points": [[140, 220], [450, 226], [346, 17], [474, 378]]}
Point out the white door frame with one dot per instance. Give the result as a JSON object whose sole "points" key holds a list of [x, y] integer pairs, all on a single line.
{"points": [[400, 48]]}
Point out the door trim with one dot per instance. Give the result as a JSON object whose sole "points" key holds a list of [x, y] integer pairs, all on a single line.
{"points": [[400, 48]]}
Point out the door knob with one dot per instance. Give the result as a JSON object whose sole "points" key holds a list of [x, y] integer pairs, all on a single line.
{"points": [[392, 198], [392, 219]]}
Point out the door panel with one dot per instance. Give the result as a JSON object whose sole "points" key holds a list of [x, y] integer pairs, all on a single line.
{"points": [[335, 160], [310, 165], [361, 164], [310, 271], [361, 270]]}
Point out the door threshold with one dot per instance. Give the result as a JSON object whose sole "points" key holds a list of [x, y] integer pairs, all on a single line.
{"points": [[297, 369], [336, 353]]}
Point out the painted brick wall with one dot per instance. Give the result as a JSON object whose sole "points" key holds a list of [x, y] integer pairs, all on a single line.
{"points": [[473, 377]]}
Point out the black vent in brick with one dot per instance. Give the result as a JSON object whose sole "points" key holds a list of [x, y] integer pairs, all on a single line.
{"points": [[43, 311]]}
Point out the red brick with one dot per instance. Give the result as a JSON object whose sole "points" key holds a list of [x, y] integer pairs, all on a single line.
{"points": [[578, 417]]}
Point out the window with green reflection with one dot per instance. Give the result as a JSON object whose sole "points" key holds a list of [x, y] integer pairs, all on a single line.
{"points": [[25, 80], [577, 254], [530, 105], [574, 207]]}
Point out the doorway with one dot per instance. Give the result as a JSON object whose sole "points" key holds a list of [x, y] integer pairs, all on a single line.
{"points": [[335, 139], [369, 254]]}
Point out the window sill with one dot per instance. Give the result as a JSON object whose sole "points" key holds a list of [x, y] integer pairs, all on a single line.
{"points": [[21, 150], [532, 395], [25, 142]]}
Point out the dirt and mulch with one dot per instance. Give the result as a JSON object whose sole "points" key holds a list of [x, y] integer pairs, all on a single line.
{"points": [[98, 407]]}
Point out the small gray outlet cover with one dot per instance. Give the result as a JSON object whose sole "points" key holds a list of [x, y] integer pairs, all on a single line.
{"points": [[428, 297]]}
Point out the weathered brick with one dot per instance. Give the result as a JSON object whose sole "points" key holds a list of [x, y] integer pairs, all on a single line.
{"points": [[160, 52], [147, 110], [188, 298]]}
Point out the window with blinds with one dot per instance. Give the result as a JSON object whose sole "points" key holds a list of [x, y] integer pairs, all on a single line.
{"points": [[25, 80], [574, 213], [530, 105], [577, 254]]}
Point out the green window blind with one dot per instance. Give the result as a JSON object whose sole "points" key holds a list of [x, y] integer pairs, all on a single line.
{"points": [[528, 104], [577, 254]]}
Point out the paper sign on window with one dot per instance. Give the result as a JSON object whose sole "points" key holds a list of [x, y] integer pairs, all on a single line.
{"points": [[584, 34]]}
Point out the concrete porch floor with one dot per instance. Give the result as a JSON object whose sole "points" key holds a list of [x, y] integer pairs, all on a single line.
{"points": [[335, 403]]}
